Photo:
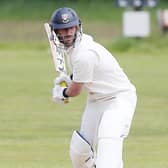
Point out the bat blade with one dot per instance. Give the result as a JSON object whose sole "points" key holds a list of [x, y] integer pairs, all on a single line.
{"points": [[57, 50]]}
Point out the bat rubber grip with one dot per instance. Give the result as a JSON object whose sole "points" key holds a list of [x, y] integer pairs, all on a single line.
{"points": [[64, 84]]}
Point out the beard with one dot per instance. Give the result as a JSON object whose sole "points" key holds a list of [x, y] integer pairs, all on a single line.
{"points": [[67, 40]]}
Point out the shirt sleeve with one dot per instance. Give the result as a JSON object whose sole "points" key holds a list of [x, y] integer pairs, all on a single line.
{"points": [[84, 66]]}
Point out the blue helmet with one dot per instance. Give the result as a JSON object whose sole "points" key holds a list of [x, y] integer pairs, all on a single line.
{"points": [[64, 18]]}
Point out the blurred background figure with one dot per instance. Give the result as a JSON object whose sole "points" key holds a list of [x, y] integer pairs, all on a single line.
{"points": [[163, 20]]}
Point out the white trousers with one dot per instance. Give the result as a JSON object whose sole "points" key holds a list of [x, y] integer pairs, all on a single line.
{"points": [[106, 124]]}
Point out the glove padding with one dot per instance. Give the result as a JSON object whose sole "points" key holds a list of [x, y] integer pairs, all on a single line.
{"points": [[57, 94], [62, 78]]}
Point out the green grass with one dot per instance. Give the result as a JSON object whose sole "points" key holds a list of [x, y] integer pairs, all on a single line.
{"points": [[41, 10], [34, 131], [147, 145]]}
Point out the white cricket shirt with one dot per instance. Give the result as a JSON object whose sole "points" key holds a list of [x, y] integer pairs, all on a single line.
{"points": [[95, 66]]}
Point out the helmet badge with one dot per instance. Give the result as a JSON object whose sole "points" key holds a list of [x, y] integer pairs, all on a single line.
{"points": [[65, 18]]}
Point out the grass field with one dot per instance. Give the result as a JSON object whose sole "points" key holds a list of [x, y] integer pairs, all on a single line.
{"points": [[35, 132]]}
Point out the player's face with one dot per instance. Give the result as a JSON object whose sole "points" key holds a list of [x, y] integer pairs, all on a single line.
{"points": [[67, 35]]}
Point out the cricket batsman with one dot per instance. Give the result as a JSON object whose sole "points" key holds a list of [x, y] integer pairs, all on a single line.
{"points": [[111, 98]]}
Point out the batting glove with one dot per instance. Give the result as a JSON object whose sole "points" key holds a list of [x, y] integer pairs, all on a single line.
{"points": [[62, 78], [58, 94]]}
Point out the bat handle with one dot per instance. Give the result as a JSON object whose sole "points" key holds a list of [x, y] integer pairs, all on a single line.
{"points": [[64, 84]]}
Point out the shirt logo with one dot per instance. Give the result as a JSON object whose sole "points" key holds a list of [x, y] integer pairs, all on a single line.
{"points": [[65, 18]]}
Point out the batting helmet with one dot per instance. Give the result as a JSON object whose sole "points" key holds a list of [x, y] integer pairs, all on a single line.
{"points": [[64, 18]]}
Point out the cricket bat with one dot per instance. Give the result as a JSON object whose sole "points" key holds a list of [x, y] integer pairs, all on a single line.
{"points": [[57, 52]]}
